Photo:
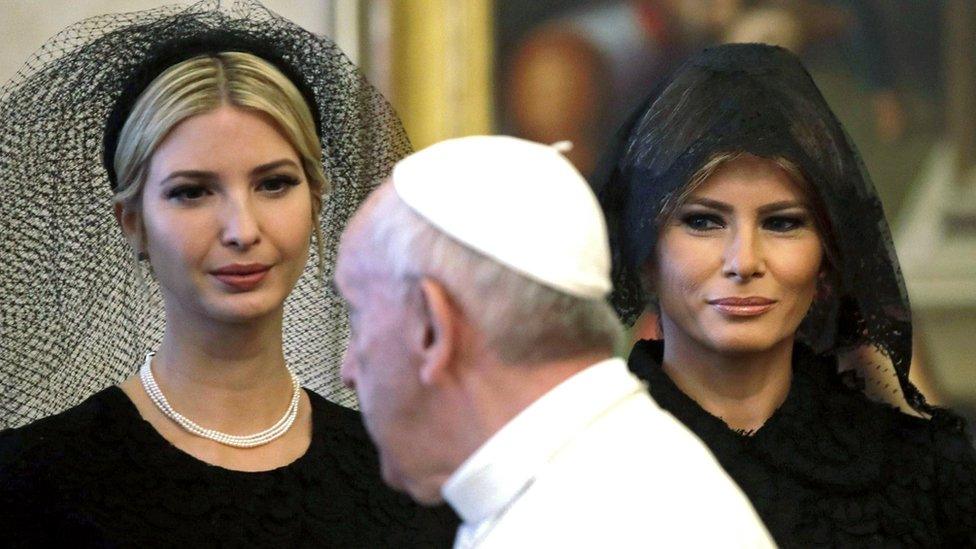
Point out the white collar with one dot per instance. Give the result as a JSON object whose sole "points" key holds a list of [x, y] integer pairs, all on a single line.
{"points": [[496, 474]]}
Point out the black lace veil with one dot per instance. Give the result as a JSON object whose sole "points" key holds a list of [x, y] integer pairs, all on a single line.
{"points": [[74, 315], [758, 99]]}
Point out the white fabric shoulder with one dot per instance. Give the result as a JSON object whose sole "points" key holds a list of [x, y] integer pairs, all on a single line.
{"points": [[633, 476]]}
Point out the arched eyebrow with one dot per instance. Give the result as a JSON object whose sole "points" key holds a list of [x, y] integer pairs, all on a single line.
{"points": [[264, 168], [204, 176], [196, 175], [783, 205], [713, 204], [764, 209]]}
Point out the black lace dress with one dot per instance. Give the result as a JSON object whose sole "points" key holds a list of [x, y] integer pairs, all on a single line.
{"points": [[99, 475], [831, 468]]}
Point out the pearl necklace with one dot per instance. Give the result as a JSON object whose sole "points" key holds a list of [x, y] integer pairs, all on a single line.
{"points": [[242, 441]]}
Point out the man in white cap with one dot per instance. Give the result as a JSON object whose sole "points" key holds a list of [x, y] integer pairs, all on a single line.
{"points": [[482, 353]]}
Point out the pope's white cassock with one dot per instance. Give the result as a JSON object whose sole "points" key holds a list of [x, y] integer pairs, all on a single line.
{"points": [[596, 463]]}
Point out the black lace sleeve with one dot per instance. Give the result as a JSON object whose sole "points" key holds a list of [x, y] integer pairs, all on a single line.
{"points": [[955, 462]]}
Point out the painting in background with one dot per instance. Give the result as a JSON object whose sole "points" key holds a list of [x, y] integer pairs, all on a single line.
{"points": [[574, 69]]}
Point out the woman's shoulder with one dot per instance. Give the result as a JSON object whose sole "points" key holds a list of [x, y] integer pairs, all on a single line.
{"points": [[350, 459], [877, 468], [343, 440], [66, 448], [56, 435], [337, 421], [42, 461], [900, 432], [954, 460], [329, 410], [935, 455], [944, 432], [924, 456]]}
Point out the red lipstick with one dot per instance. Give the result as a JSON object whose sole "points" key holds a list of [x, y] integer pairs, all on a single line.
{"points": [[241, 276], [742, 306]]}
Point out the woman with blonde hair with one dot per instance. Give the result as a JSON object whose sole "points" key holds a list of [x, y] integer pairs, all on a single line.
{"points": [[235, 145]]}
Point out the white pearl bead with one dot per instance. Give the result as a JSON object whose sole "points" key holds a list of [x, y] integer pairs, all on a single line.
{"points": [[237, 441]]}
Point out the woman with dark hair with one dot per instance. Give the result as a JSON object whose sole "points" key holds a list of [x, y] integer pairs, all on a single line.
{"points": [[738, 206], [234, 146]]}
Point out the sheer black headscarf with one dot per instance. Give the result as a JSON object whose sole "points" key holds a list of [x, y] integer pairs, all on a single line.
{"points": [[74, 316], [759, 99]]}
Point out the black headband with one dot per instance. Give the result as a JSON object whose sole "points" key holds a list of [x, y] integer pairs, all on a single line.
{"points": [[173, 52]]}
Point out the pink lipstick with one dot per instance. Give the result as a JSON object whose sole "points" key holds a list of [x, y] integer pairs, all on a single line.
{"points": [[241, 276], [742, 306]]}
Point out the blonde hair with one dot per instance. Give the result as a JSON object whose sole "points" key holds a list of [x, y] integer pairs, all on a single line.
{"points": [[202, 84]]}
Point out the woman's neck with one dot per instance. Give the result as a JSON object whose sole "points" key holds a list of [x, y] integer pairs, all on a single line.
{"points": [[230, 377], [743, 389]]}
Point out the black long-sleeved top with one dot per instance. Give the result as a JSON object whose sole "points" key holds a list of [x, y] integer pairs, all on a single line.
{"points": [[832, 468], [99, 475]]}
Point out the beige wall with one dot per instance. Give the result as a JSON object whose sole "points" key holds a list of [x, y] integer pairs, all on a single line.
{"points": [[26, 24]]}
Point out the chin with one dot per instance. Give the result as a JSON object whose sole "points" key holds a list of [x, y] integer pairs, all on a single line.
{"points": [[241, 309], [428, 497], [420, 492], [742, 341]]}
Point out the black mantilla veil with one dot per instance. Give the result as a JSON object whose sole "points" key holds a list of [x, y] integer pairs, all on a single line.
{"points": [[74, 315], [759, 99]]}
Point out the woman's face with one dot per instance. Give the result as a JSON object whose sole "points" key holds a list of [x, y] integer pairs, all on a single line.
{"points": [[227, 214], [737, 266]]}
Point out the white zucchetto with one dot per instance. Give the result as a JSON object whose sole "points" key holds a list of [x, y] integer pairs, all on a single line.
{"points": [[520, 203]]}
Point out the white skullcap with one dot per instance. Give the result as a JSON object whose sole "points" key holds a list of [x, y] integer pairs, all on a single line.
{"points": [[521, 203]]}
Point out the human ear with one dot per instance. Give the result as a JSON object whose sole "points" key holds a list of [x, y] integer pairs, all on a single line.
{"points": [[648, 276], [441, 322], [824, 283], [131, 223]]}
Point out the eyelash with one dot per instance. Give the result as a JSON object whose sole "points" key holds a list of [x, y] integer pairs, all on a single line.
{"points": [[702, 222], [285, 181], [792, 223], [182, 193], [705, 222]]}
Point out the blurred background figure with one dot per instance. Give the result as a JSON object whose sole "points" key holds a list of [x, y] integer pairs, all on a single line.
{"points": [[574, 75], [577, 75]]}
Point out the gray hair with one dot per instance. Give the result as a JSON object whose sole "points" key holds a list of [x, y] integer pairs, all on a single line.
{"points": [[522, 320]]}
